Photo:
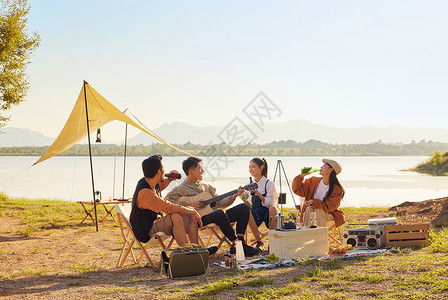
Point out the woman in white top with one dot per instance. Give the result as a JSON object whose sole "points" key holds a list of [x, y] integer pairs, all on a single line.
{"points": [[263, 200]]}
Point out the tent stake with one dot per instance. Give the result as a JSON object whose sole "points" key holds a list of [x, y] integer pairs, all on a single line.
{"points": [[90, 155]]}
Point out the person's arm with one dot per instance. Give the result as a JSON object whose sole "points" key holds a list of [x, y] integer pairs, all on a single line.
{"points": [[298, 186], [331, 203], [166, 181], [147, 199], [174, 195], [271, 194]]}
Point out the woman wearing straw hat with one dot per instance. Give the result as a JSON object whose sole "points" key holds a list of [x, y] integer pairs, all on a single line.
{"points": [[323, 195]]}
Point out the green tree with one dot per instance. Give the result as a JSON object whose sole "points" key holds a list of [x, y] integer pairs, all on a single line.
{"points": [[16, 48]]}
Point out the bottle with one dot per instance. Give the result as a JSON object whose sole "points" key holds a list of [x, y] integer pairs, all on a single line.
{"points": [[309, 170], [244, 197], [279, 220], [228, 260], [239, 251], [234, 264], [173, 176]]}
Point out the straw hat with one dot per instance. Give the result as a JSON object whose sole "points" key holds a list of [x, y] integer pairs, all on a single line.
{"points": [[334, 164]]}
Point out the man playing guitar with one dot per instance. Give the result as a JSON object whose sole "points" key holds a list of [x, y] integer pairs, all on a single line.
{"points": [[193, 186]]}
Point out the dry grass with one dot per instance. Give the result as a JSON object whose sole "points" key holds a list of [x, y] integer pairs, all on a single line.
{"points": [[72, 261]]}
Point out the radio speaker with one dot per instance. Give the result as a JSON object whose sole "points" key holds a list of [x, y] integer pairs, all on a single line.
{"points": [[362, 238]]}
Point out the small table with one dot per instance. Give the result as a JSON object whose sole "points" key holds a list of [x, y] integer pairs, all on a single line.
{"points": [[88, 210]]}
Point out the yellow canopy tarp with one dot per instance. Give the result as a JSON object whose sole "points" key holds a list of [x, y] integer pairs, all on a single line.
{"points": [[100, 113]]}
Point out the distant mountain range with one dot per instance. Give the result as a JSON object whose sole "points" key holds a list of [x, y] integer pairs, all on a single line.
{"points": [[297, 130], [18, 137]]}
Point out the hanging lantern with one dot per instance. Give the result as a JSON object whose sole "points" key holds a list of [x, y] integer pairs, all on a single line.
{"points": [[98, 135]]}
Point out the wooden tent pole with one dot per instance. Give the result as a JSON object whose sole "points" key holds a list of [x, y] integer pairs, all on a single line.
{"points": [[90, 155], [124, 161]]}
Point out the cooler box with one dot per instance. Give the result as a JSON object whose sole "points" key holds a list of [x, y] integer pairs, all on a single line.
{"points": [[381, 223], [299, 243]]}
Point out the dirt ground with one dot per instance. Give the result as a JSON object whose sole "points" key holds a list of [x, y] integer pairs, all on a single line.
{"points": [[80, 263], [434, 211]]}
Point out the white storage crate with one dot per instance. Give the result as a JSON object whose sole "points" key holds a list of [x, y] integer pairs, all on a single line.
{"points": [[299, 243]]}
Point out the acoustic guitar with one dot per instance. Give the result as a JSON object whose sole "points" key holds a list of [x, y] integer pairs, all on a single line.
{"points": [[205, 199]]}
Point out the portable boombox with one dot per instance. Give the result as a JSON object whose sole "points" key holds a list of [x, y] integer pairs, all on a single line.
{"points": [[363, 238]]}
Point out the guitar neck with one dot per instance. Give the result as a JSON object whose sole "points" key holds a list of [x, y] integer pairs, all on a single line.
{"points": [[213, 200]]}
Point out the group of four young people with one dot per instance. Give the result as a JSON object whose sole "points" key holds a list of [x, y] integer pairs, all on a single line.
{"points": [[322, 194]]}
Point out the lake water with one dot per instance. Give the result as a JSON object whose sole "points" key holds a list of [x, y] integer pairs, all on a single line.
{"points": [[368, 181]]}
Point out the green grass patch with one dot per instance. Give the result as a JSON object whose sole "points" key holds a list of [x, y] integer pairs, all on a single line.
{"points": [[134, 280], [271, 293], [174, 290], [334, 285], [363, 210], [26, 272], [260, 282], [426, 281], [374, 278], [41, 214], [214, 288], [87, 267], [353, 210], [439, 241]]}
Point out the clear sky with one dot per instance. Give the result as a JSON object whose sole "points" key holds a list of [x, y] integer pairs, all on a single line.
{"points": [[337, 63]]}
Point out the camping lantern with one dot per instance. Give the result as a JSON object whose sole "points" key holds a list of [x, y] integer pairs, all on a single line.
{"points": [[282, 198], [98, 196], [98, 135]]}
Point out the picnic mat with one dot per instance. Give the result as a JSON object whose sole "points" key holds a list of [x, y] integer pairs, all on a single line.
{"points": [[261, 263]]}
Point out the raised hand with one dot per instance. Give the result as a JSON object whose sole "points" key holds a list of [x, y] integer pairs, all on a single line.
{"points": [[305, 170]]}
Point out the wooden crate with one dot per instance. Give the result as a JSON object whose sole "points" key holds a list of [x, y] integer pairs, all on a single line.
{"points": [[407, 235]]}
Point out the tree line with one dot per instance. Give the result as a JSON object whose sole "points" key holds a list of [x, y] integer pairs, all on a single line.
{"points": [[277, 148]]}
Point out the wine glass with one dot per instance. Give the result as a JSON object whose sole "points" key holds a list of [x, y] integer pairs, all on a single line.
{"points": [[313, 217]]}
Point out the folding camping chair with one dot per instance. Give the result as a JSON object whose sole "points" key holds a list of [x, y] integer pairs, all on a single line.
{"points": [[250, 239], [123, 215], [210, 231], [335, 236], [332, 236]]}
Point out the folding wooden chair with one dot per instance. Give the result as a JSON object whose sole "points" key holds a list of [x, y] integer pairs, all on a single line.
{"points": [[123, 215], [250, 239], [210, 231], [332, 236]]}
